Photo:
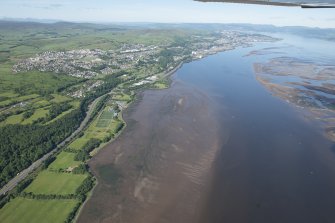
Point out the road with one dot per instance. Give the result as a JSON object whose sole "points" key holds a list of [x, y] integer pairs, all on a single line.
{"points": [[23, 174]]}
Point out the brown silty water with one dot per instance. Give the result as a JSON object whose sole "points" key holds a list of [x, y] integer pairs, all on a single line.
{"points": [[270, 164], [158, 169]]}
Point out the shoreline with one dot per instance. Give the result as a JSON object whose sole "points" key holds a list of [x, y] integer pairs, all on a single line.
{"points": [[138, 97], [167, 74], [142, 179]]}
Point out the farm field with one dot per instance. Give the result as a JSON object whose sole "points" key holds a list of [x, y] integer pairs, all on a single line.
{"points": [[16, 99], [75, 105], [78, 143], [39, 113], [23, 210], [41, 110], [53, 182], [64, 161], [103, 126], [121, 97], [48, 182], [11, 120], [57, 98]]}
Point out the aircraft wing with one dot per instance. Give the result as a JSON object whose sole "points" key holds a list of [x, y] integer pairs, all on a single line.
{"points": [[299, 3]]}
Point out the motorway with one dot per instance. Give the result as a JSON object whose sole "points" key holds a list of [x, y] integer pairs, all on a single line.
{"points": [[23, 174]]}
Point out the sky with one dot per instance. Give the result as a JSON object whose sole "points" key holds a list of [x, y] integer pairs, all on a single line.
{"points": [[165, 11]]}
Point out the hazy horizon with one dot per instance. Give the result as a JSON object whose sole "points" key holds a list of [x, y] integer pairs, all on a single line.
{"points": [[174, 11], [53, 21]]}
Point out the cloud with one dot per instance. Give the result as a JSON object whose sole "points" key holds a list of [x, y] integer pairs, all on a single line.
{"points": [[277, 17], [43, 6], [56, 5]]}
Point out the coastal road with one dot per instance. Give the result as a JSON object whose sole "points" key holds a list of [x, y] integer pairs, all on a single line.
{"points": [[23, 174]]}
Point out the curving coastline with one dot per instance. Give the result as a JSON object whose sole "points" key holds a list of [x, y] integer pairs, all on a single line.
{"points": [[154, 173]]}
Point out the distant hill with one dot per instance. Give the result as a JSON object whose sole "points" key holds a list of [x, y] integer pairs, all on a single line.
{"points": [[319, 33]]}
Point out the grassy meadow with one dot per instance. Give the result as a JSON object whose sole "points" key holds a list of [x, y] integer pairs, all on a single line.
{"points": [[64, 161], [49, 182], [23, 210]]}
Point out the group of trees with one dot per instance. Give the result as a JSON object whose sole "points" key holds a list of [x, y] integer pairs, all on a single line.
{"points": [[48, 161], [57, 109], [85, 187], [110, 82], [81, 169], [28, 113], [84, 153], [5, 115], [21, 145], [99, 106], [81, 194], [165, 58], [119, 127], [47, 196]]}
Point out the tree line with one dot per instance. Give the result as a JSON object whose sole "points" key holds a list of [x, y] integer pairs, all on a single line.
{"points": [[21, 145], [84, 153]]}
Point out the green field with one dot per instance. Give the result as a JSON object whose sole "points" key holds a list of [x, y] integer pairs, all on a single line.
{"points": [[42, 103], [64, 161], [75, 105], [55, 183], [31, 82], [22, 210], [39, 113], [103, 126], [122, 97], [60, 116], [8, 94], [14, 119], [18, 99], [18, 119], [105, 119], [60, 98], [78, 143], [103, 123], [159, 85]]}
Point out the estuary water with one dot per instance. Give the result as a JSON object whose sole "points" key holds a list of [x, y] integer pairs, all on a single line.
{"points": [[274, 166], [218, 147]]}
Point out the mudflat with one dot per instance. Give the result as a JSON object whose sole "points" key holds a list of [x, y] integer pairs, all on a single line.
{"points": [[157, 170]]}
